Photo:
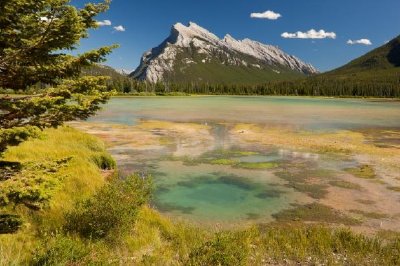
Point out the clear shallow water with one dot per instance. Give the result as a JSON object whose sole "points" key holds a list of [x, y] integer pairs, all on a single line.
{"points": [[303, 112], [210, 177], [205, 193]]}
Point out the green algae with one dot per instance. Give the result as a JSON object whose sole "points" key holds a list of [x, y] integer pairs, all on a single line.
{"points": [[257, 166]]}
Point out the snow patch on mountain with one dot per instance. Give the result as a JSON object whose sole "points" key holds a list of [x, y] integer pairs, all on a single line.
{"points": [[159, 61]]}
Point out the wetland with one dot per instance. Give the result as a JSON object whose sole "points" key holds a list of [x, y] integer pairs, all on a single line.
{"points": [[231, 160]]}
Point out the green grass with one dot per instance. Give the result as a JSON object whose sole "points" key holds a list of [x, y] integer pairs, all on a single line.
{"points": [[82, 176]]}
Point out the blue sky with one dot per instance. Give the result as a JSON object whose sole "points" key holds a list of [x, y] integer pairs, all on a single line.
{"points": [[147, 23]]}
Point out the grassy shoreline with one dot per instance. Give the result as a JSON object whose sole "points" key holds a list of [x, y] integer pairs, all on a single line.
{"points": [[152, 239], [172, 95]]}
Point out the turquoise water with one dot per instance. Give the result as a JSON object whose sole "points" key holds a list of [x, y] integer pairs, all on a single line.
{"points": [[199, 193], [193, 183], [304, 112]]}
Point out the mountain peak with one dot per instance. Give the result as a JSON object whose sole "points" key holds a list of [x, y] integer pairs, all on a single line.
{"points": [[183, 35], [190, 46], [228, 38]]}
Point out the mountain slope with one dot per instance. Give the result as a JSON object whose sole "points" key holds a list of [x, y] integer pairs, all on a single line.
{"points": [[193, 54], [386, 57], [376, 73]]}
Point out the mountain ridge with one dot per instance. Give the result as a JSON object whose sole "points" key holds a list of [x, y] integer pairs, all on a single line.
{"points": [[189, 47]]}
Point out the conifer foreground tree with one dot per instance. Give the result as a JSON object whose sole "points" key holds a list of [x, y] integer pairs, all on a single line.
{"points": [[35, 37]]}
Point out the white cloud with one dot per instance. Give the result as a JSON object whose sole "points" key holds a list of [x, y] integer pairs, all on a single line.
{"points": [[105, 22], [311, 34], [266, 15], [119, 28], [361, 41]]}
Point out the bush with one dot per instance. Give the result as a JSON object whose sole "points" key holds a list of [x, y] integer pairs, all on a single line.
{"points": [[104, 161], [112, 208]]}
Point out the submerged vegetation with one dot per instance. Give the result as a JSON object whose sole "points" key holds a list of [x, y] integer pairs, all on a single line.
{"points": [[315, 212], [95, 218], [364, 171]]}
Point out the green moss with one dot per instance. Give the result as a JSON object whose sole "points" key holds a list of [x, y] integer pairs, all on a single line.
{"points": [[364, 171], [223, 153], [345, 184], [315, 212], [260, 165], [224, 161]]}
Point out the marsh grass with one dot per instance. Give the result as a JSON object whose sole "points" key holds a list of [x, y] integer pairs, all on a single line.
{"points": [[296, 244], [82, 176]]}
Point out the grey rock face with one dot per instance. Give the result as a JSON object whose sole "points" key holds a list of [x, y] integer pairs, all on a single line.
{"points": [[161, 60]]}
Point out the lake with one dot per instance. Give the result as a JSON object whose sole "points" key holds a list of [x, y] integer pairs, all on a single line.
{"points": [[234, 160]]}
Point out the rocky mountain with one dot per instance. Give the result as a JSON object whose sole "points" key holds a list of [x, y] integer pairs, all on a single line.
{"points": [[192, 53]]}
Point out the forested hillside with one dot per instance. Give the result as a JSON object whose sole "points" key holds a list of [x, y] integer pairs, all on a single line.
{"points": [[376, 74]]}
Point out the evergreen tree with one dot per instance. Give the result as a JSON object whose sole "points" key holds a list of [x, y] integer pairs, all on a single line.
{"points": [[34, 35]]}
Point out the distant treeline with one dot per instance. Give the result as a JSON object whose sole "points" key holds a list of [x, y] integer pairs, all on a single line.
{"points": [[363, 84], [317, 86]]}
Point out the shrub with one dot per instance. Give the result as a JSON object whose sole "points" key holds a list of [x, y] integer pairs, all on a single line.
{"points": [[112, 208], [104, 161]]}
